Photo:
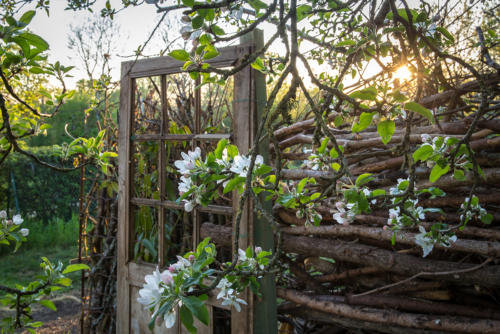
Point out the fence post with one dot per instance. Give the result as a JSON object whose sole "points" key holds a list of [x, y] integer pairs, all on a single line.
{"points": [[264, 307]]}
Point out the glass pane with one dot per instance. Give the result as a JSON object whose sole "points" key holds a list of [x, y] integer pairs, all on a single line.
{"points": [[216, 107], [145, 169], [221, 321], [173, 151], [147, 106], [178, 237], [224, 254], [180, 104], [146, 234]]}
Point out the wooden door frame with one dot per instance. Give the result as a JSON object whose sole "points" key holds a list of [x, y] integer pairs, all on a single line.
{"points": [[248, 101]]}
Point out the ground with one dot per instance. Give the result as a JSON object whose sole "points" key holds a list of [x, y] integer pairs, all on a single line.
{"points": [[22, 267]]}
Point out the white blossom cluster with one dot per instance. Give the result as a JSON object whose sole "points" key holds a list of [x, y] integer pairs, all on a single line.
{"points": [[16, 220], [344, 214], [192, 163], [159, 287], [229, 295], [309, 213], [427, 242], [397, 219], [474, 209]]}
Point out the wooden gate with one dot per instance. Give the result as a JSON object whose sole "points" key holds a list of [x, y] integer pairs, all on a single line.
{"points": [[162, 113]]}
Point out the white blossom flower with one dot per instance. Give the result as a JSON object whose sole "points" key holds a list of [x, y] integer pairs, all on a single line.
{"points": [[419, 211], [185, 185], [170, 317], [225, 162], [242, 163], [228, 296], [3, 214], [188, 206], [167, 277], [24, 232], [426, 138], [181, 263], [189, 161], [17, 219], [344, 216], [394, 215], [234, 301], [150, 294], [424, 241]]}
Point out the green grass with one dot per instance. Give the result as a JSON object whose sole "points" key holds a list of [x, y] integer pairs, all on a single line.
{"points": [[22, 267], [57, 241]]}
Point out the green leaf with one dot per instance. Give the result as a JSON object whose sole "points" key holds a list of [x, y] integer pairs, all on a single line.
{"points": [[189, 3], [187, 319], [446, 34], [487, 218], [180, 55], [197, 22], [438, 171], [369, 93], [338, 121], [346, 42], [363, 179], [423, 153], [35, 40], [364, 121], [459, 175], [210, 52], [216, 30], [258, 64], [419, 109], [220, 148], [302, 184], [75, 267], [205, 39], [35, 324], [303, 11], [323, 145], [197, 307], [233, 183], [48, 304], [27, 17], [386, 129], [63, 281], [378, 192]]}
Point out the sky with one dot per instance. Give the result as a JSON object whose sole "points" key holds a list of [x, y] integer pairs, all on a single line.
{"points": [[135, 25]]}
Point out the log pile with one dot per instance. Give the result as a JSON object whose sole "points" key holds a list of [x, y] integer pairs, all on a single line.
{"points": [[353, 275]]}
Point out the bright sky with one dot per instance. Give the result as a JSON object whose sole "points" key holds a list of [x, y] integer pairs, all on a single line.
{"points": [[135, 25]]}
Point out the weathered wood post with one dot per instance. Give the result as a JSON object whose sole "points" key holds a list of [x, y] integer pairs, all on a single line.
{"points": [[260, 315]]}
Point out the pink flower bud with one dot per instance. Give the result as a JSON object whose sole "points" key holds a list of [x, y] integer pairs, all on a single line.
{"points": [[191, 258], [171, 269], [258, 250], [167, 278]]}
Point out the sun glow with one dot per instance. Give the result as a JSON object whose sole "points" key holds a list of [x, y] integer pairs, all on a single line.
{"points": [[402, 74]]}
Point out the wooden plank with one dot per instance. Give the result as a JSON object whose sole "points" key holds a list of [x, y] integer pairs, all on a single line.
{"points": [[161, 169], [123, 300], [171, 137], [242, 322], [215, 209], [168, 65], [265, 315]]}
